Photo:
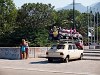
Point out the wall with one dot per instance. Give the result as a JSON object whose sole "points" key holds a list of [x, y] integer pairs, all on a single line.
{"points": [[9, 53], [34, 52], [86, 47], [14, 52], [92, 47], [38, 51]]}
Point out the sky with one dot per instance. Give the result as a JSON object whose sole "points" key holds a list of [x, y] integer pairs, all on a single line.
{"points": [[56, 3]]}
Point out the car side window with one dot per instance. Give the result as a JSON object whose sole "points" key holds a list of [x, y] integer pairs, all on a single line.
{"points": [[74, 47], [70, 47]]}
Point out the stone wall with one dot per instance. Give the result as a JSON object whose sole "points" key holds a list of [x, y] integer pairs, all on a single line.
{"points": [[14, 52], [34, 52], [38, 51], [9, 53]]}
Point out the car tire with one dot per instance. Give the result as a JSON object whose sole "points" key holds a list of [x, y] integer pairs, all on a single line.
{"points": [[66, 60], [81, 57]]}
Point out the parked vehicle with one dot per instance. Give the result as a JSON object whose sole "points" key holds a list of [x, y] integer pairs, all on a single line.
{"points": [[64, 51]]}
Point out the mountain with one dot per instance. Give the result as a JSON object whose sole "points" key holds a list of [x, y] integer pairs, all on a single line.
{"points": [[96, 7], [78, 6], [81, 8]]}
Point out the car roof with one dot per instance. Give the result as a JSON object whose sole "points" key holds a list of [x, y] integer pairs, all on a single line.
{"points": [[65, 44], [69, 44]]}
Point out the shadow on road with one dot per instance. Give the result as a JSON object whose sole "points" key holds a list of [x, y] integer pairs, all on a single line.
{"points": [[45, 62], [91, 59], [39, 62]]}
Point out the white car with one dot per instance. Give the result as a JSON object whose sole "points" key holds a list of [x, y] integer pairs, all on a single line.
{"points": [[64, 51]]}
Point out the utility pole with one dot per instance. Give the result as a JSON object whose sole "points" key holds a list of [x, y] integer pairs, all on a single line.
{"points": [[73, 14], [97, 26], [94, 25], [88, 25], [91, 27]]}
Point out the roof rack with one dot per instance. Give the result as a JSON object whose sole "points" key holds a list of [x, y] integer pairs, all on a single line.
{"points": [[67, 41]]}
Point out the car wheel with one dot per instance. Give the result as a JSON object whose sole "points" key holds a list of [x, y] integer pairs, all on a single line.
{"points": [[50, 60], [81, 57], [66, 60]]}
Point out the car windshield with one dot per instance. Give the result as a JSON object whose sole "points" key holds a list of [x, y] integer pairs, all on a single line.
{"points": [[60, 46], [54, 47]]}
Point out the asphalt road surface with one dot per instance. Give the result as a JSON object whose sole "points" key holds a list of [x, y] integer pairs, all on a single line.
{"points": [[40, 66]]}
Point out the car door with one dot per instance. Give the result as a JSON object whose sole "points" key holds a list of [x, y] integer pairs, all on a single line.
{"points": [[76, 52], [71, 52]]}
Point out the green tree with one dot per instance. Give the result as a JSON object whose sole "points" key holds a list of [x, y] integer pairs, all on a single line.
{"points": [[82, 23], [8, 15], [33, 21], [65, 18]]}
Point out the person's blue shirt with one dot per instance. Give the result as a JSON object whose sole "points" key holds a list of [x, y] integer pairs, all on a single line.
{"points": [[23, 48]]}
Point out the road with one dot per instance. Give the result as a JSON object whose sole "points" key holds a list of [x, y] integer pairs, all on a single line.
{"points": [[40, 66]]}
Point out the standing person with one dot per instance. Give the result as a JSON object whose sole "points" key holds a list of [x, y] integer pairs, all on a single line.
{"points": [[23, 49], [27, 48]]}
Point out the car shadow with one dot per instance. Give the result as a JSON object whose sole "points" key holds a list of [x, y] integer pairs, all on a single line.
{"points": [[46, 62], [39, 62]]}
